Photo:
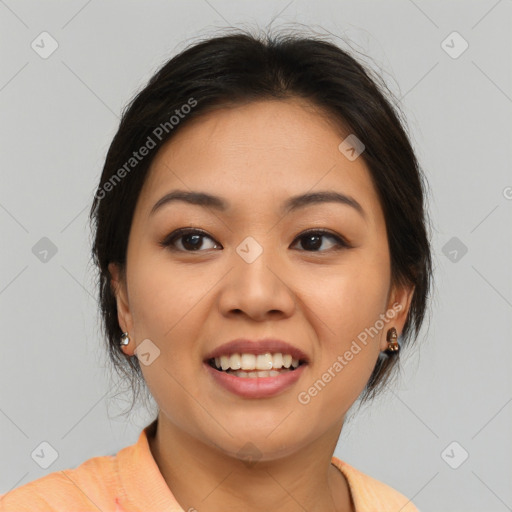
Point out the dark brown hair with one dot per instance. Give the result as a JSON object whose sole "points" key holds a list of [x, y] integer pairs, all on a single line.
{"points": [[238, 68]]}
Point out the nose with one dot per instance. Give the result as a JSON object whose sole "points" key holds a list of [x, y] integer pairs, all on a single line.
{"points": [[258, 289]]}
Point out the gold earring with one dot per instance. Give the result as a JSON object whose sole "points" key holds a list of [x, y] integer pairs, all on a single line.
{"points": [[391, 337]]}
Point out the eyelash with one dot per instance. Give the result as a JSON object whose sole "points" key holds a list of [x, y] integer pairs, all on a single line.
{"points": [[169, 241]]}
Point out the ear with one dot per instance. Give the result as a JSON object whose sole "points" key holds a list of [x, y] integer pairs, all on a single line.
{"points": [[124, 316], [399, 302]]}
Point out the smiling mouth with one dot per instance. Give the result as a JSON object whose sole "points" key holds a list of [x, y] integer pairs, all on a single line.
{"points": [[254, 366]]}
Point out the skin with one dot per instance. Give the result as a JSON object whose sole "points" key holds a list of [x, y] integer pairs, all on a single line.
{"points": [[187, 303]]}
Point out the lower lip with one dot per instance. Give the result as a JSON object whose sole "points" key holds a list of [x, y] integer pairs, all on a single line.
{"points": [[256, 387]]}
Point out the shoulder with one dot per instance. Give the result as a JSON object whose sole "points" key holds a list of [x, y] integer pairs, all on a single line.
{"points": [[370, 494], [87, 486]]}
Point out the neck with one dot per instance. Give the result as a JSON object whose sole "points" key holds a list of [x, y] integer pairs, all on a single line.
{"points": [[206, 479]]}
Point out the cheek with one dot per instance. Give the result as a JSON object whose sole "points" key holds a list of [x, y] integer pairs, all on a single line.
{"points": [[347, 309], [163, 295], [351, 299], [169, 307], [162, 302]]}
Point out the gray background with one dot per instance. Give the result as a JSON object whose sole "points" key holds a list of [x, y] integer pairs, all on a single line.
{"points": [[58, 116]]}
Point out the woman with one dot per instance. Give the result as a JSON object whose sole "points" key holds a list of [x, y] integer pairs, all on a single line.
{"points": [[260, 234]]}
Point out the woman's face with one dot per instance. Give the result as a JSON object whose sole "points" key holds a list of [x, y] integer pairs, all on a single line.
{"points": [[255, 273]]}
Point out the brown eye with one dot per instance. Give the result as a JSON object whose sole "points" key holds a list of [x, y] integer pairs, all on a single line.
{"points": [[312, 241], [191, 240]]}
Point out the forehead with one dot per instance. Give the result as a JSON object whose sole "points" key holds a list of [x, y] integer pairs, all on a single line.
{"points": [[257, 155]]}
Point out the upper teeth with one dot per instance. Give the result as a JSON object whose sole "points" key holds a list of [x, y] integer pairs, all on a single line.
{"points": [[256, 362]]}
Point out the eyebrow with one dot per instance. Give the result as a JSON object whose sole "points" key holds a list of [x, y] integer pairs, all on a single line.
{"points": [[291, 204]]}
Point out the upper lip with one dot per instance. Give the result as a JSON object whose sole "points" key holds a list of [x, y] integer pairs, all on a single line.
{"points": [[263, 346]]}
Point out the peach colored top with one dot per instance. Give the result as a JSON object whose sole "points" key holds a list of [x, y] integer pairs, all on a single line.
{"points": [[130, 481]]}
